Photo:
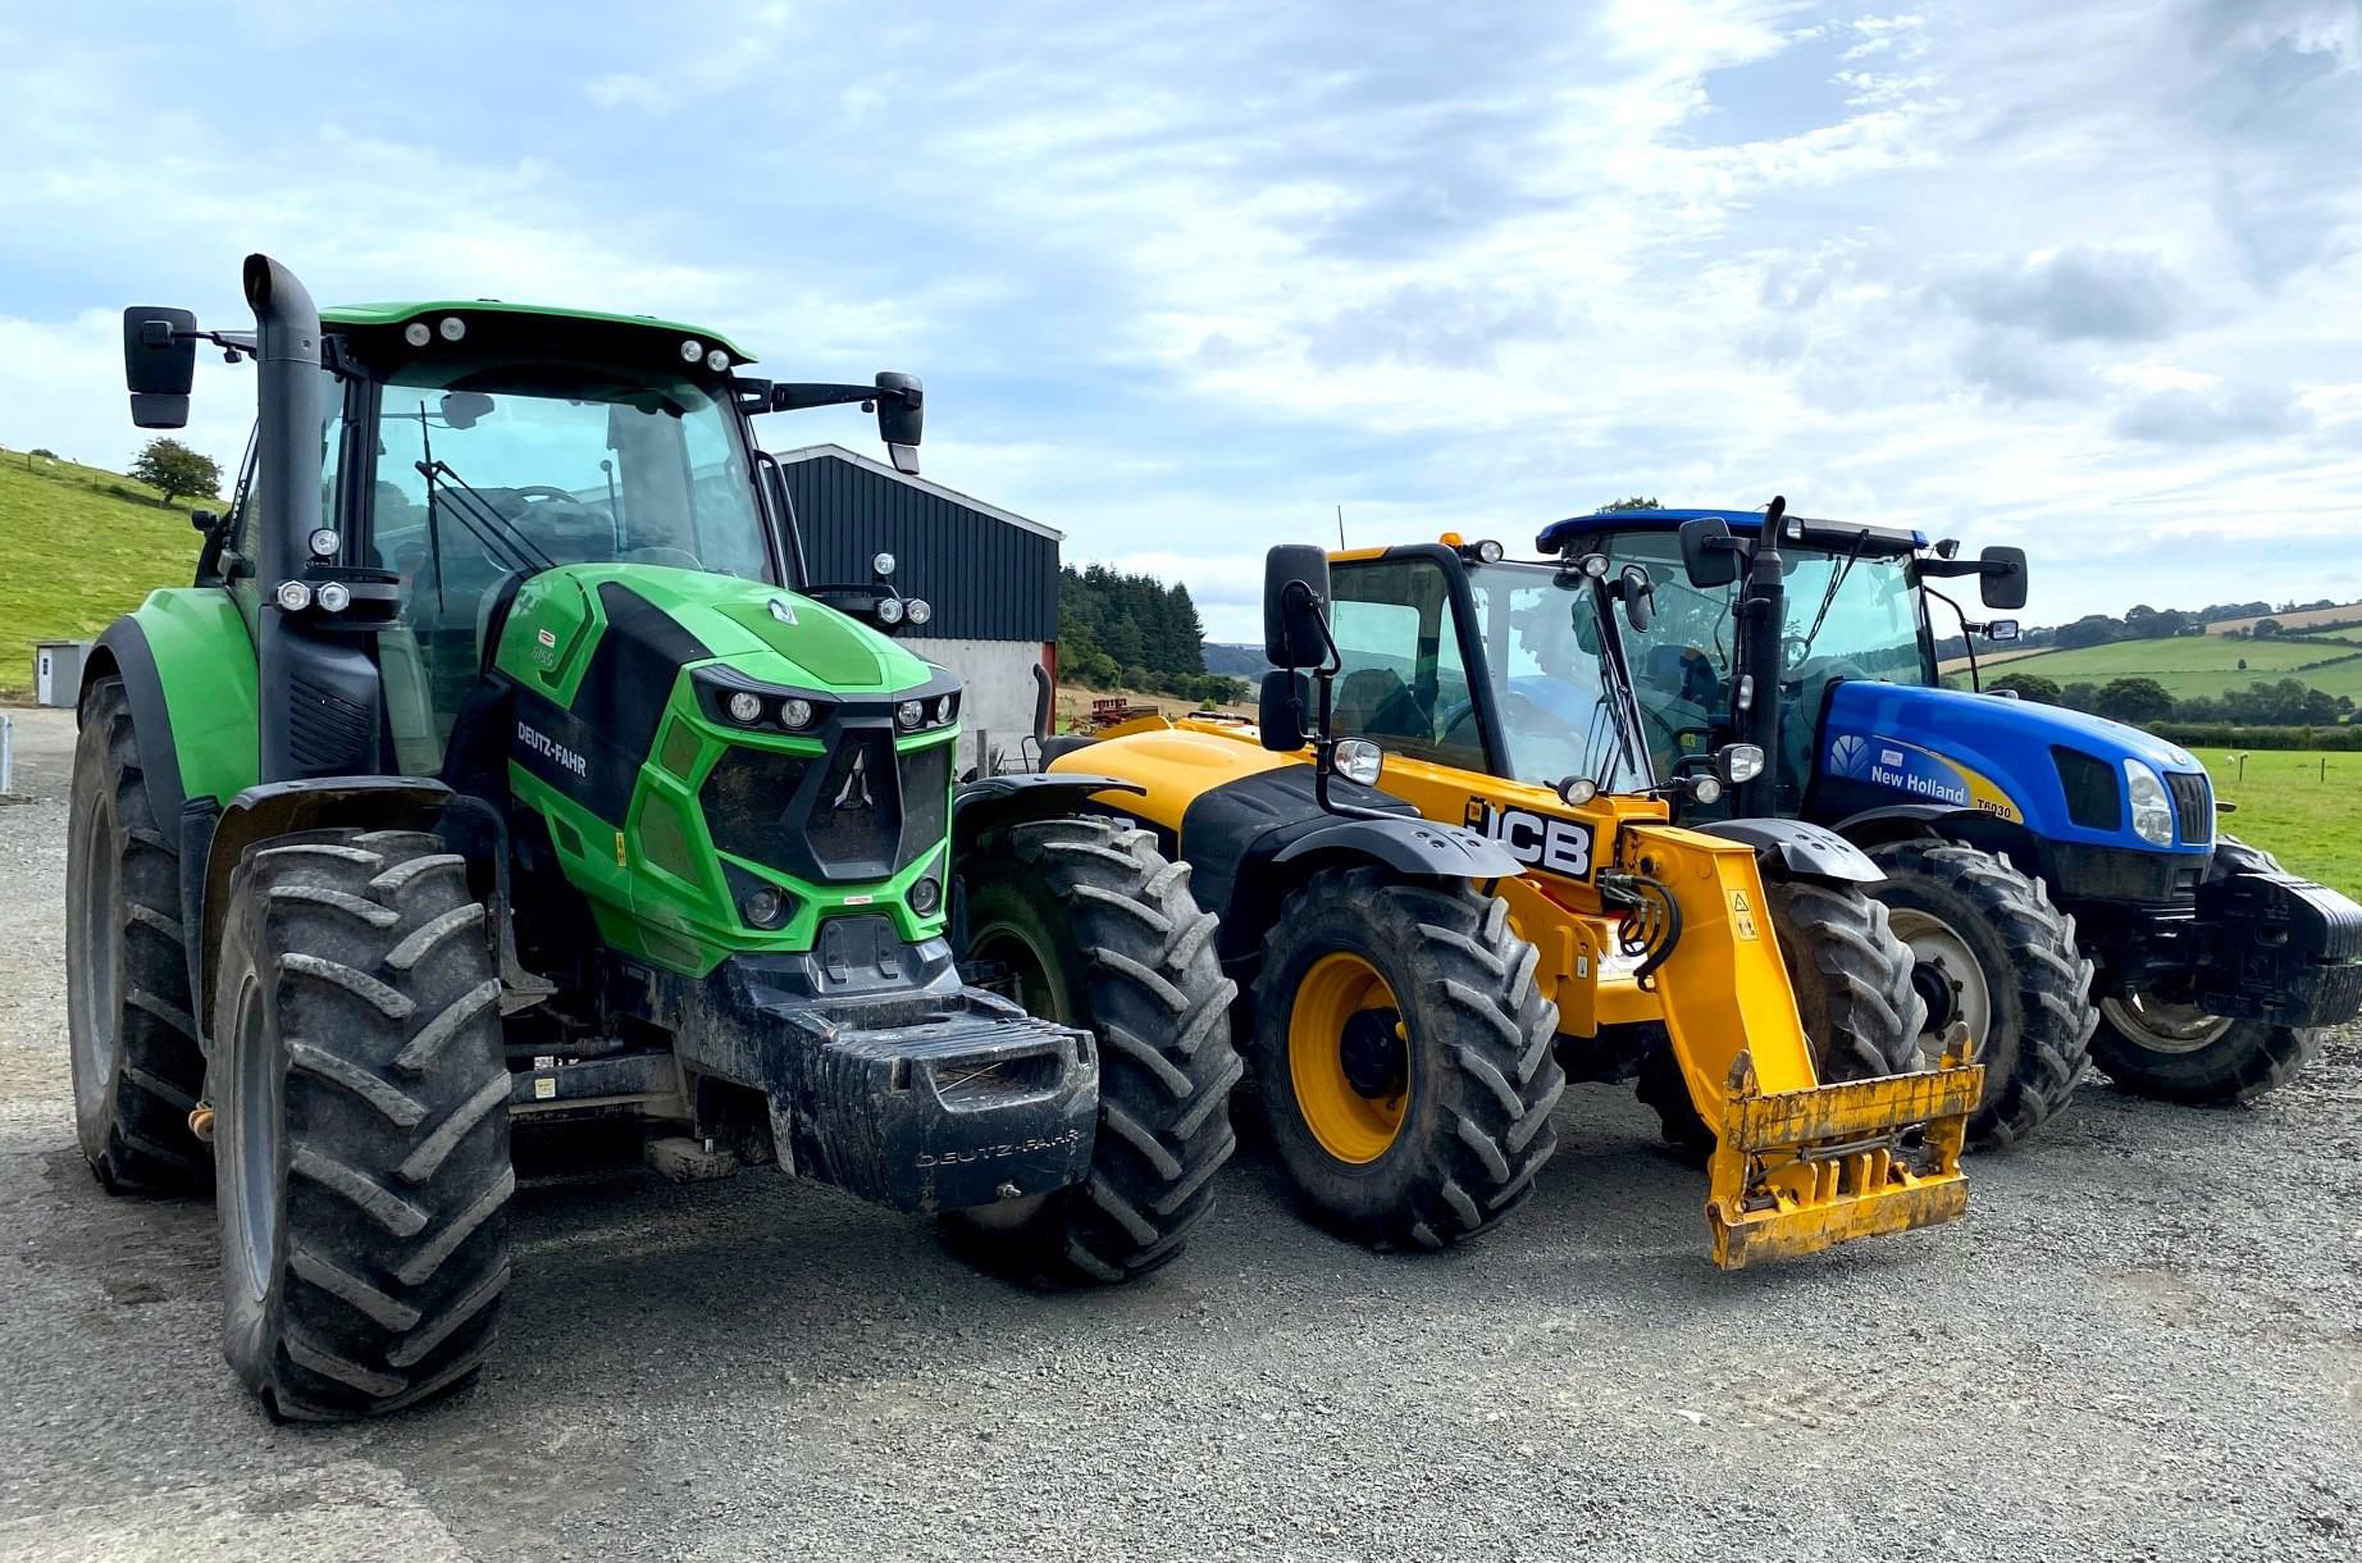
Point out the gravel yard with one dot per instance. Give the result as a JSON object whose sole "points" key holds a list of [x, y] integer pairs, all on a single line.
{"points": [[2144, 1341]]}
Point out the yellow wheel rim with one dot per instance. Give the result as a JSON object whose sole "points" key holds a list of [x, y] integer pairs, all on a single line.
{"points": [[1354, 1120]]}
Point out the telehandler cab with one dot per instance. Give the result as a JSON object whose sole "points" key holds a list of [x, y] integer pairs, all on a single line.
{"points": [[502, 766], [1467, 888]]}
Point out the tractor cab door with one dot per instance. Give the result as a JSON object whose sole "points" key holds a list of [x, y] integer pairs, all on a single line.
{"points": [[1404, 680]]}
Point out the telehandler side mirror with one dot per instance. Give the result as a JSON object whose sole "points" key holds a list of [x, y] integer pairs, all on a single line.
{"points": [[1708, 554], [159, 364], [1283, 711], [1295, 596], [902, 415], [2001, 578]]}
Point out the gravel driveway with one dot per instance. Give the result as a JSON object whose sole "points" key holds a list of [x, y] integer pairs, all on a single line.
{"points": [[2144, 1341]]}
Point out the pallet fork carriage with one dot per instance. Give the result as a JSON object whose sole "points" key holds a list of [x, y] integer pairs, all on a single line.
{"points": [[1661, 947]]}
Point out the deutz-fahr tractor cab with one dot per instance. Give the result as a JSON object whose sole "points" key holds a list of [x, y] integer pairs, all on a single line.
{"points": [[2023, 843], [501, 767]]}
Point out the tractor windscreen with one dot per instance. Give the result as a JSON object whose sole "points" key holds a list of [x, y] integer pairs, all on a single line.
{"points": [[498, 471], [1851, 614]]}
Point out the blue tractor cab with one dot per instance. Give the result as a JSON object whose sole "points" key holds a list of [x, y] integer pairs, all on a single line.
{"points": [[2058, 875]]}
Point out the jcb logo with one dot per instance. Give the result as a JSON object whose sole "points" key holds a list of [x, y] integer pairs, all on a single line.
{"points": [[1556, 846]]}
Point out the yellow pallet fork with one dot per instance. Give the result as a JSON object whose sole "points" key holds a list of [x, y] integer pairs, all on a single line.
{"points": [[1638, 924]]}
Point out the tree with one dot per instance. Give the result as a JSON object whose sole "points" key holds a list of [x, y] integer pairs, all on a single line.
{"points": [[2265, 629], [1636, 502], [2093, 629], [2030, 686], [169, 465], [2135, 700], [2080, 697], [2242, 664]]}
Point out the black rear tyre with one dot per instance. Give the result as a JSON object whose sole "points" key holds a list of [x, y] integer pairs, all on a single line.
{"points": [[138, 1069], [1403, 1058], [1852, 981], [1082, 921], [1993, 951], [361, 1092]]}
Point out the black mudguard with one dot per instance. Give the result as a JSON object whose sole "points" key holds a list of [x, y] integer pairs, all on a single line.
{"points": [[1000, 800], [1408, 845], [124, 645], [1802, 851]]}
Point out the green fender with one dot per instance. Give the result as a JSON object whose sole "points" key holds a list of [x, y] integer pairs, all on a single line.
{"points": [[188, 669]]}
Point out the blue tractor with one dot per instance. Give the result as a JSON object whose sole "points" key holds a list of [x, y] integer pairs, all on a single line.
{"points": [[2058, 876]]}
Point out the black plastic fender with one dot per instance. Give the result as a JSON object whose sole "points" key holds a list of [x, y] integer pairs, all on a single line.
{"points": [[1408, 845], [1001, 800], [123, 650], [1804, 851], [473, 827]]}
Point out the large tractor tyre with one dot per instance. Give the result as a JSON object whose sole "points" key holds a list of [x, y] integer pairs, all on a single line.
{"points": [[361, 1096], [2175, 1051], [1852, 981], [1082, 921], [1992, 952], [1403, 1058], [138, 1069]]}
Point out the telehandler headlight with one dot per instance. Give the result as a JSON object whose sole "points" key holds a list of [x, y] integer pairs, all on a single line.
{"points": [[1705, 789], [293, 596], [1360, 760], [1488, 552], [910, 714], [336, 597], [2152, 810], [746, 708], [1576, 791], [795, 713]]}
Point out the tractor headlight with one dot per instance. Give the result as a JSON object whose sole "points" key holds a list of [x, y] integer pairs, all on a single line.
{"points": [[946, 708], [795, 713], [294, 596], [925, 896], [764, 907], [336, 597], [417, 333], [909, 714], [324, 542], [1737, 763], [745, 707], [918, 610], [716, 360], [452, 328], [889, 610], [692, 350], [881, 565], [2152, 810], [1359, 760]]}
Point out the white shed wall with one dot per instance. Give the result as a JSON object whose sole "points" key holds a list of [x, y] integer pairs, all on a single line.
{"points": [[998, 699]]}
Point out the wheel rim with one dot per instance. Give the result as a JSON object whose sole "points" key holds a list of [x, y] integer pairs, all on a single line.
{"points": [[254, 1145], [93, 979], [1352, 1096], [1024, 972], [2160, 1026], [1945, 972]]}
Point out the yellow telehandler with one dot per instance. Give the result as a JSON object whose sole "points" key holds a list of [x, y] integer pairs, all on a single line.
{"points": [[1739, 970]]}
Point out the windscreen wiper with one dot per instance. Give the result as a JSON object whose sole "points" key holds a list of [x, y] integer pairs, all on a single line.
{"points": [[492, 528]]}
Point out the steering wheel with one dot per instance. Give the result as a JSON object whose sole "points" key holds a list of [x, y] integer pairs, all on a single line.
{"points": [[545, 491]]}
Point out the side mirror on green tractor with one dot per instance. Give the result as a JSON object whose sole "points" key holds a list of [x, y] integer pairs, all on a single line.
{"points": [[902, 414], [159, 364], [2001, 577], [1709, 554]]}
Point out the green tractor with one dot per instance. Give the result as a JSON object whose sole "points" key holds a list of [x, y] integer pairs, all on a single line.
{"points": [[502, 770]]}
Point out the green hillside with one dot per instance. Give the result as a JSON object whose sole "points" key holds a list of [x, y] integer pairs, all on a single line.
{"points": [[78, 546], [2204, 666]]}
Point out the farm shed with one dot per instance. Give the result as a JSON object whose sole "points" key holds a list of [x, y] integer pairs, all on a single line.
{"points": [[991, 575]]}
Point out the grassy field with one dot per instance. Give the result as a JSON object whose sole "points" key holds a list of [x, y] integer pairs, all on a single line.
{"points": [[74, 556], [2288, 808], [2190, 666], [2303, 618]]}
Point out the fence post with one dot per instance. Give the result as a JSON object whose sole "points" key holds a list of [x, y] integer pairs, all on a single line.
{"points": [[7, 754]]}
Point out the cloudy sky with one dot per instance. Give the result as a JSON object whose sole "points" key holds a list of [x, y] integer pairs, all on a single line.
{"points": [[1184, 277]]}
